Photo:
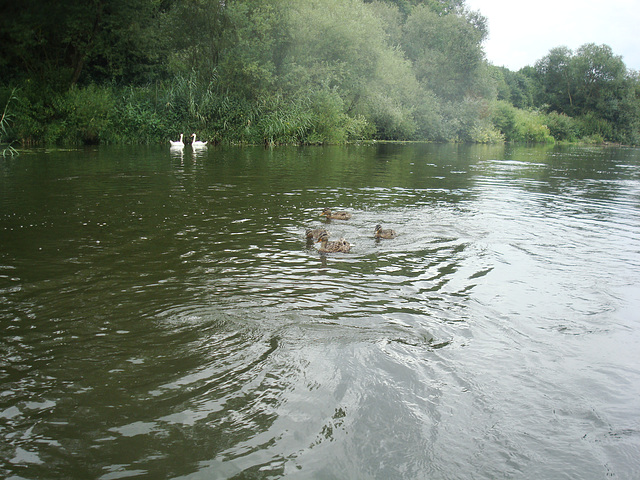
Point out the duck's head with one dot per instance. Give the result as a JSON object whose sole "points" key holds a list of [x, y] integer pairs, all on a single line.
{"points": [[378, 228], [323, 237], [326, 212], [310, 233]]}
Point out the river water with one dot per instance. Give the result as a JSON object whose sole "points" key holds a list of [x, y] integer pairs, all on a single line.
{"points": [[162, 315]]}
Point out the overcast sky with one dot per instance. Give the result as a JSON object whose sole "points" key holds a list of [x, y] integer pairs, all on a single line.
{"points": [[522, 32]]}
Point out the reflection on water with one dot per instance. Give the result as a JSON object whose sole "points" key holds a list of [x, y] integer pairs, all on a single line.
{"points": [[164, 316]]}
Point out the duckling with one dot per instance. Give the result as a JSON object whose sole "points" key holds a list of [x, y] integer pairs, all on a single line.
{"points": [[329, 247], [315, 233], [336, 215], [380, 233]]}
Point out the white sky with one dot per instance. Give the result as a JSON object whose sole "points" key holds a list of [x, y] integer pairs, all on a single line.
{"points": [[522, 32]]}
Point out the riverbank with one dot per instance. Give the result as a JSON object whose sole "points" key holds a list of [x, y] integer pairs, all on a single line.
{"points": [[155, 114]]}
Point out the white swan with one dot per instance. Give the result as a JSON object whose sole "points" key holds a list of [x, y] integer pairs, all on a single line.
{"points": [[179, 143], [197, 143]]}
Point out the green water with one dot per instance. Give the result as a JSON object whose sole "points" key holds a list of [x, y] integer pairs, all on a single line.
{"points": [[164, 317]]}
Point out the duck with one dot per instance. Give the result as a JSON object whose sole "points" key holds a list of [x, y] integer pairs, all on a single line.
{"points": [[179, 143], [388, 233], [330, 247], [336, 215], [315, 233], [197, 143]]}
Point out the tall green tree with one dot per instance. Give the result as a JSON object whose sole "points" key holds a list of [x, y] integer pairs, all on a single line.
{"points": [[600, 79], [352, 48], [446, 50], [556, 77], [254, 39], [592, 84]]}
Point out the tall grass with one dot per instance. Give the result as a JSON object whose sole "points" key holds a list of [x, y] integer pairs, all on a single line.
{"points": [[4, 125]]}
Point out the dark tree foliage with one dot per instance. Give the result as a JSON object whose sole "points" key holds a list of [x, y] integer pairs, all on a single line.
{"points": [[59, 43], [522, 89]]}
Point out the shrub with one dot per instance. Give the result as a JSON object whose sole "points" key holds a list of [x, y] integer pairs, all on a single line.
{"points": [[595, 129], [486, 133], [503, 117], [329, 120], [562, 127], [282, 122], [518, 125], [136, 118], [87, 113]]}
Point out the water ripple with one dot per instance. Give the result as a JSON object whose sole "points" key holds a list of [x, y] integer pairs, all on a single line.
{"points": [[171, 321]]}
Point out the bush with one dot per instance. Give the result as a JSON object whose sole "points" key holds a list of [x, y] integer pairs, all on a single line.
{"points": [[86, 113], [392, 120], [518, 125], [503, 117], [33, 114], [562, 127], [531, 128], [136, 119], [460, 120], [329, 122], [594, 129], [486, 133]]}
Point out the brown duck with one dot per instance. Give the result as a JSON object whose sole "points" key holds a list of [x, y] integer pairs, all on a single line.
{"points": [[336, 215], [330, 247], [313, 234], [388, 233]]}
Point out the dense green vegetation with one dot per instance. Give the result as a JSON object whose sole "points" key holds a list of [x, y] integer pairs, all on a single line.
{"points": [[301, 71]]}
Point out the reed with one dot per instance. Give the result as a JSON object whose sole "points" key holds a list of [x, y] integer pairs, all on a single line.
{"points": [[4, 125]]}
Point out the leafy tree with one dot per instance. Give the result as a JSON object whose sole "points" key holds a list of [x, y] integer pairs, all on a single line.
{"points": [[393, 18], [520, 88], [555, 74], [593, 84], [401, 6], [341, 47], [334, 45], [196, 35], [298, 71], [445, 50], [255, 42], [600, 79]]}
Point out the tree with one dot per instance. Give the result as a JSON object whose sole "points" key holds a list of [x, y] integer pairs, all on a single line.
{"points": [[58, 43], [196, 32], [445, 50], [556, 78], [600, 79], [593, 84], [520, 87]]}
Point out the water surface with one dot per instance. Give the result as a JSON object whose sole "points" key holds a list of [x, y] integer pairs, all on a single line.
{"points": [[164, 317]]}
